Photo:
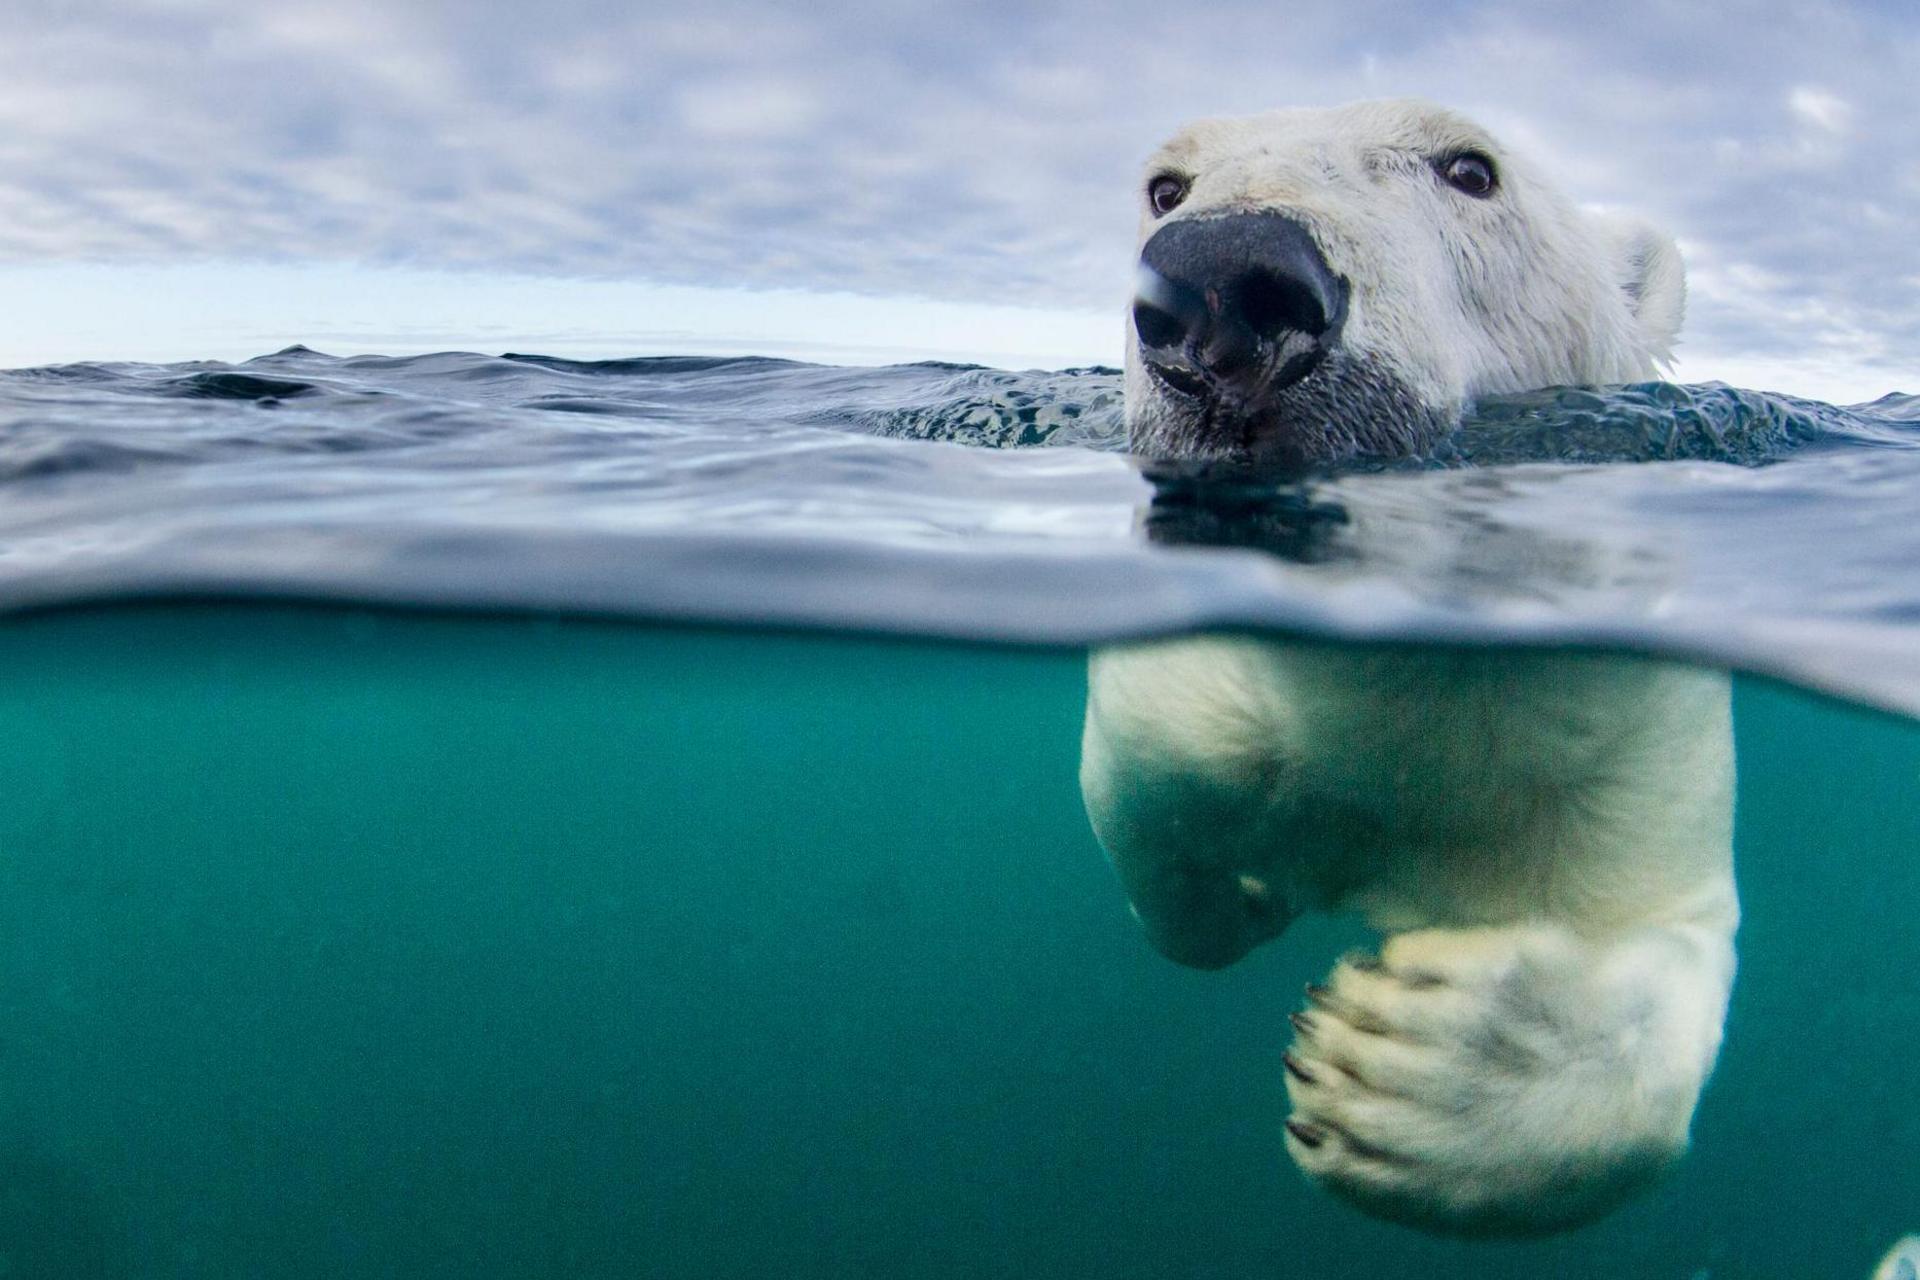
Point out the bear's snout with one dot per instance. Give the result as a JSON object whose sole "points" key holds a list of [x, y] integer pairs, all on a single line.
{"points": [[1235, 308]]}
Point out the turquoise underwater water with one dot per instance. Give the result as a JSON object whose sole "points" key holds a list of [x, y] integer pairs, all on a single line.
{"points": [[346, 942]]}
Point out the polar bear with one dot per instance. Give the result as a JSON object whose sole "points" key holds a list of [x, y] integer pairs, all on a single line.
{"points": [[1545, 838]]}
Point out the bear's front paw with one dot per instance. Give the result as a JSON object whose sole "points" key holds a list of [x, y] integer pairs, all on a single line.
{"points": [[1504, 1081]]}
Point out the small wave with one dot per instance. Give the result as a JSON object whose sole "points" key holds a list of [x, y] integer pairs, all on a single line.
{"points": [[651, 366], [232, 385], [990, 408], [1661, 422]]}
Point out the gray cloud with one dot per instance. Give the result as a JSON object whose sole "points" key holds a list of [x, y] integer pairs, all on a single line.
{"points": [[983, 151]]}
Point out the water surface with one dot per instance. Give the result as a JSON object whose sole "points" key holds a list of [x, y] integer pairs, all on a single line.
{"points": [[1754, 531]]}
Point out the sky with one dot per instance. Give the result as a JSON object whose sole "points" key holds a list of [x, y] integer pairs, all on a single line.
{"points": [[860, 180]]}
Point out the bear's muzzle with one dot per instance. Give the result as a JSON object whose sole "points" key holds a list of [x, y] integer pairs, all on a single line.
{"points": [[1233, 309]]}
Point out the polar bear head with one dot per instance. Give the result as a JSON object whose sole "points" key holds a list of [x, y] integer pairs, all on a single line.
{"points": [[1315, 284]]}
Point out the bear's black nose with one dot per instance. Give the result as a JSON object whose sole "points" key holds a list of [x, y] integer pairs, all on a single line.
{"points": [[1239, 305]]}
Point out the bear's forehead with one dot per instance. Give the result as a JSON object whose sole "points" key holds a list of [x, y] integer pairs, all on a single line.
{"points": [[1354, 130]]}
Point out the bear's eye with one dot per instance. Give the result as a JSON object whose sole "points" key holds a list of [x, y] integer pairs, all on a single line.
{"points": [[1165, 193], [1470, 172]]}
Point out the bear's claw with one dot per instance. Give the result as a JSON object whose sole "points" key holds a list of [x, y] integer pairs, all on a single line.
{"points": [[1307, 1135], [1508, 1081]]}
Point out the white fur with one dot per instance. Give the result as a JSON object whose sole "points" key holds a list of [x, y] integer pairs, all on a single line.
{"points": [[1546, 837], [1459, 297]]}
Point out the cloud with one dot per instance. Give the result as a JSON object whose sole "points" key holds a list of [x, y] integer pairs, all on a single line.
{"points": [[983, 152], [751, 109], [1822, 110]]}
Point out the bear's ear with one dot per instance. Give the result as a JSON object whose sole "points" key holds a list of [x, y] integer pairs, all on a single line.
{"points": [[1647, 267]]}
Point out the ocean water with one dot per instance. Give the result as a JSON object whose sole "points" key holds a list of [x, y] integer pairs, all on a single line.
{"points": [[503, 817]]}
